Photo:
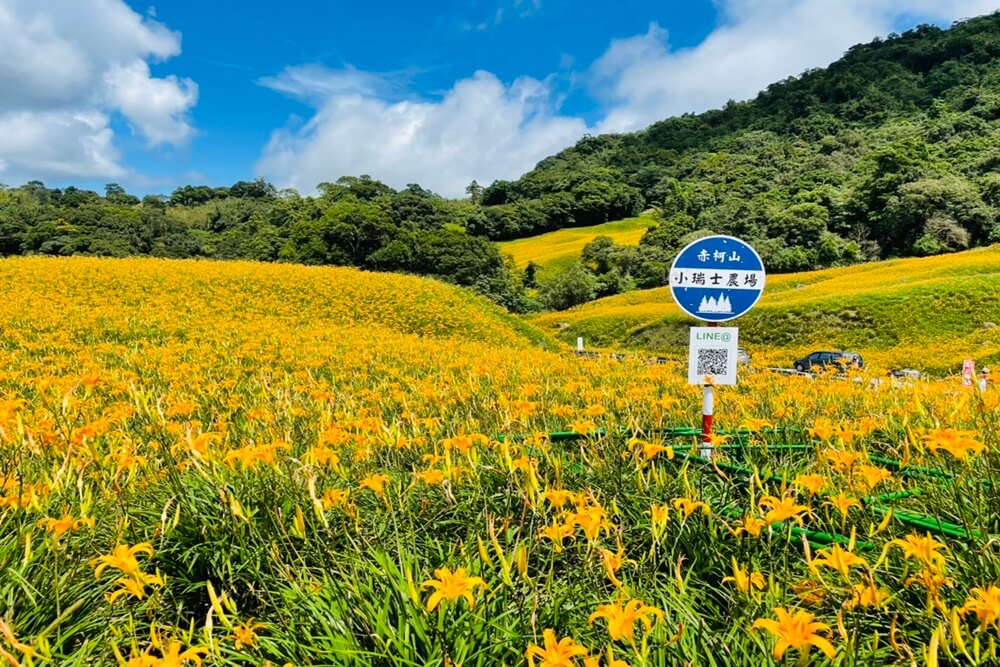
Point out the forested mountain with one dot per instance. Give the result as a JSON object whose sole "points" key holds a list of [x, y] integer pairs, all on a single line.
{"points": [[893, 150]]}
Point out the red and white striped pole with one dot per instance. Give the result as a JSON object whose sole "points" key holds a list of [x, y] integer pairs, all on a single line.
{"points": [[707, 411]]}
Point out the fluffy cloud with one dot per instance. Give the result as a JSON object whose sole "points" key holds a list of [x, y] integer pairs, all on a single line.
{"points": [[61, 144], [480, 129], [66, 66], [157, 108], [642, 80]]}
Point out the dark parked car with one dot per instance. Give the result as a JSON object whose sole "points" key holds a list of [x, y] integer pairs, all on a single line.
{"points": [[829, 358]]}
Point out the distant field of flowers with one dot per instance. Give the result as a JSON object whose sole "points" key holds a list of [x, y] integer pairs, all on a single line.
{"points": [[929, 313], [560, 248], [243, 464]]}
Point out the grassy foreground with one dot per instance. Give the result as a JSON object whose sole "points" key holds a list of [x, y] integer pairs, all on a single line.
{"points": [[555, 250], [240, 464], [927, 313]]}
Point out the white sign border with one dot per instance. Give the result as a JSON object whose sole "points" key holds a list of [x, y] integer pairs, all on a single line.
{"points": [[763, 270], [729, 379]]}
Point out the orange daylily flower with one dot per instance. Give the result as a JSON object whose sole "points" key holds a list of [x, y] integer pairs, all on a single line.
{"points": [[922, 548], [743, 580], [452, 586], [750, 525], [985, 603], [812, 483], [866, 596], [122, 557], [783, 509], [837, 558], [64, 524], [687, 506], [842, 503], [796, 631], [245, 634], [622, 616], [375, 483], [957, 443], [556, 653], [557, 532]]}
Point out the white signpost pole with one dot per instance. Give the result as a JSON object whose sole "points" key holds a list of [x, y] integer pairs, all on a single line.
{"points": [[707, 412]]}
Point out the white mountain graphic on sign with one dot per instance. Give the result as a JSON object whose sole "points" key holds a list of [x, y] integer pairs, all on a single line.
{"points": [[710, 305]]}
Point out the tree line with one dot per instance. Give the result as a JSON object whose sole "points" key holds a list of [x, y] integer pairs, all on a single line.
{"points": [[355, 221]]}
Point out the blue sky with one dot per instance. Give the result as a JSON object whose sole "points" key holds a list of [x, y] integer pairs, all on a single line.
{"points": [[424, 50], [153, 95]]}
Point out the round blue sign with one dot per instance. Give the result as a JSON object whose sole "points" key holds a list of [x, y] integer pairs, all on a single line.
{"points": [[717, 278]]}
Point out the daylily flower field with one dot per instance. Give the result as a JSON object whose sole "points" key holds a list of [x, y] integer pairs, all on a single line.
{"points": [[243, 464]]}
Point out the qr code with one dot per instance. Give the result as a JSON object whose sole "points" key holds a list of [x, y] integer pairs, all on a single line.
{"points": [[713, 361]]}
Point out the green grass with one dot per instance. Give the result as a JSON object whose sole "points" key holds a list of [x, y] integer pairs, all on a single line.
{"points": [[929, 313], [560, 248]]}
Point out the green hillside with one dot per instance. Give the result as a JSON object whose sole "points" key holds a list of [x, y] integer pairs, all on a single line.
{"points": [[554, 250], [930, 313], [891, 151]]}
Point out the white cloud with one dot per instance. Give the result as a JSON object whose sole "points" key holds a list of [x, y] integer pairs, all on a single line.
{"points": [[315, 83], [66, 66], [156, 107], [62, 144], [758, 42], [480, 129]]}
